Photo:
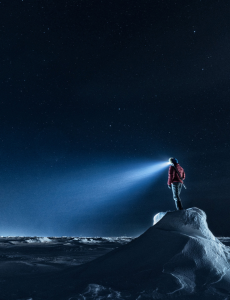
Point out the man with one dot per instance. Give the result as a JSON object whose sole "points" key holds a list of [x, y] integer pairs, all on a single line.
{"points": [[174, 181]]}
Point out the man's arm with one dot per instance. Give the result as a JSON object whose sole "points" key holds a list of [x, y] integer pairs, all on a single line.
{"points": [[183, 175], [170, 175]]}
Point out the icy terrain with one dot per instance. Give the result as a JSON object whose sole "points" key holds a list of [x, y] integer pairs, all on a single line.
{"points": [[26, 255], [177, 258]]}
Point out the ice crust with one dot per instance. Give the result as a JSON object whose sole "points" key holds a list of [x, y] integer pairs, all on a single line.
{"points": [[178, 257], [17, 240], [158, 217]]}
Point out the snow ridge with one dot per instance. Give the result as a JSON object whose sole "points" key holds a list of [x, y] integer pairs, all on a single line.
{"points": [[178, 257]]}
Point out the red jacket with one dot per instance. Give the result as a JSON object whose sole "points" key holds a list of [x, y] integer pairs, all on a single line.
{"points": [[173, 176]]}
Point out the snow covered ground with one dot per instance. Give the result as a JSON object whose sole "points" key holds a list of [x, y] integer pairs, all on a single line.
{"points": [[26, 255], [177, 258]]}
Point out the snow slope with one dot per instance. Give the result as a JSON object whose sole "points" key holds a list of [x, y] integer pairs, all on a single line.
{"points": [[177, 258]]}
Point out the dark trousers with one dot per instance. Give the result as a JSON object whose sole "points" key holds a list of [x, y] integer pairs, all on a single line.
{"points": [[176, 189]]}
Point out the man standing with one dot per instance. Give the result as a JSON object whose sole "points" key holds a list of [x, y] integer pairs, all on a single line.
{"points": [[176, 176]]}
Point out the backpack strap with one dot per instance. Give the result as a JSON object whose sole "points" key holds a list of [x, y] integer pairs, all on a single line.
{"points": [[178, 175]]}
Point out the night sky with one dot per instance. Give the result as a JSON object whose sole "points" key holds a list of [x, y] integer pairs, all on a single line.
{"points": [[90, 87]]}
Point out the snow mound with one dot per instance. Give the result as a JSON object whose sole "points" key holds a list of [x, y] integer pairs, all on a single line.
{"points": [[192, 222], [178, 257], [158, 217], [38, 240], [95, 291]]}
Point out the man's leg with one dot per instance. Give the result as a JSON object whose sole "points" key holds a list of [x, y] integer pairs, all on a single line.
{"points": [[179, 203], [176, 189]]}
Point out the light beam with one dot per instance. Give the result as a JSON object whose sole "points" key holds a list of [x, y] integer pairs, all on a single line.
{"points": [[100, 185]]}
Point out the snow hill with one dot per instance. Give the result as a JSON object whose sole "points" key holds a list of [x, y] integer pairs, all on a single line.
{"points": [[177, 258]]}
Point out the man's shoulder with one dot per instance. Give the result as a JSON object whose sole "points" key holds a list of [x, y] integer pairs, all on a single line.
{"points": [[179, 167]]}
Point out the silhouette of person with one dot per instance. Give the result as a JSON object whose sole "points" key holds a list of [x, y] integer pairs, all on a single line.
{"points": [[176, 175]]}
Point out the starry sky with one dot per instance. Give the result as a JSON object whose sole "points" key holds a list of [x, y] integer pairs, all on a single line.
{"points": [[87, 86]]}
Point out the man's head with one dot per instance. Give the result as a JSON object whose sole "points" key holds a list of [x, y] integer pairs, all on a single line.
{"points": [[173, 160]]}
